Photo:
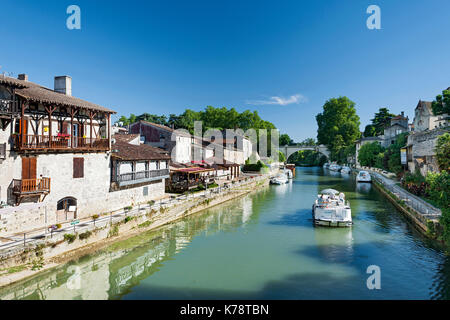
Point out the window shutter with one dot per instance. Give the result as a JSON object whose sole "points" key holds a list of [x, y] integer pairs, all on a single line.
{"points": [[78, 168]]}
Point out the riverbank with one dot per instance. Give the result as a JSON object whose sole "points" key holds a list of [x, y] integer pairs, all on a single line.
{"points": [[423, 216], [19, 263]]}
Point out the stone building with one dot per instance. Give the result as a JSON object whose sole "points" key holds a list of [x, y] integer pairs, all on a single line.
{"points": [[56, 165], [424, 119], [399, 124], [421, 152]]}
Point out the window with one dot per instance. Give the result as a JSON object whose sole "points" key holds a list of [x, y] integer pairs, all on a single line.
{"points": [[145, 191], [78, 168]]}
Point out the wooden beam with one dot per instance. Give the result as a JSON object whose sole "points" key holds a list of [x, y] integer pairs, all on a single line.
{"points": [[50, 110]]}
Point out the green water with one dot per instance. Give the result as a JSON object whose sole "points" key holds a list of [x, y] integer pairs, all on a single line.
{"points": [[262, 246]]}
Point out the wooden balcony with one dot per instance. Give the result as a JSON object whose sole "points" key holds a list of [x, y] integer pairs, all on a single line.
{"points": [[140, 177], [39, 143], [9, 108], [30, 188]]}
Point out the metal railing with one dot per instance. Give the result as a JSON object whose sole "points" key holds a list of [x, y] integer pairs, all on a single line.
{"points": [[141, 175], [418, 204], [18, 241]]}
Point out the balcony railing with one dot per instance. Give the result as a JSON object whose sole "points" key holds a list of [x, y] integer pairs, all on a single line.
{"points": [[39, 142], [141, 176], [31, 186], [9, 107]]}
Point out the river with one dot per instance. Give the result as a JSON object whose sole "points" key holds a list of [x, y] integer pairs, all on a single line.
{"points": [[261, 246]]}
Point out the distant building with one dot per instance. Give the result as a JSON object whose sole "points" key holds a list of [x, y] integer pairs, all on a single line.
{"points": [[399, 124], [185, 148]]}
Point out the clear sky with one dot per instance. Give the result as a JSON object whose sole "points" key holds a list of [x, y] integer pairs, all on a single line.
{"points": [[281, 58]]}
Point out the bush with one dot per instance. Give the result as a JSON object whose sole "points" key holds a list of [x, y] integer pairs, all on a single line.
{"points": [[84, 235], [128, 219], [151, 202], [438, 188], [95, 217], [254, 166], [415, 183], [443, 152], [69, 237], [128, 208]]}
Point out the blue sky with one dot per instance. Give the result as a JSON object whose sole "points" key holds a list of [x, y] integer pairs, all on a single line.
{"points": [[281, 58]]}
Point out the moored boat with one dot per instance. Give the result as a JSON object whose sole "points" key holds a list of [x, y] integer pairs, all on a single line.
{"points": [[280, 178], [363, 176], [346, 170], [330, 209], [335, 167]]}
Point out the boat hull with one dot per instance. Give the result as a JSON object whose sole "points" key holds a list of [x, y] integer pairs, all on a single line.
{"points": [[320, 220]]}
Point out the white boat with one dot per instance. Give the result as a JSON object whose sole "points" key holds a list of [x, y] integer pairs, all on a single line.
{"points": [[346, 170], [335, 167], [280, 178], [363, 176], [288, 173], [326, 165], [330, 209]]}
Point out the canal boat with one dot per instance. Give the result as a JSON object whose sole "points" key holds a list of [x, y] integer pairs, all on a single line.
{"points": [[326, 165], [330, 209], [363, 176], [280, 178], [335, 167], [346, 170]]}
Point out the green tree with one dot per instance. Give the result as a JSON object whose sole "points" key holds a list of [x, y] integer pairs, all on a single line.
{"points": [[132, 119], [443, 152], [368, 154], [442, 103], [381, 120], [338, 125], [370, 131], [285, 140], [124, 120]]}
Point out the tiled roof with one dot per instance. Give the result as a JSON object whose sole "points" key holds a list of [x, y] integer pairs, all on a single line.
{"points": [[35, 92], [123, 150]]}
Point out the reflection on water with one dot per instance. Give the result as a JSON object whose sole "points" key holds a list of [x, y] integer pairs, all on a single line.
{"points": [[262, 246], [363, 187]]}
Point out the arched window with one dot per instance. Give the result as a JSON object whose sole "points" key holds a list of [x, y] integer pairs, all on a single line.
{"points": [[65, 203]]}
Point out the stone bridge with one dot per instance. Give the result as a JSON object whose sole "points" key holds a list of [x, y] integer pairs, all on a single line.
{"points": [[289, 150]]}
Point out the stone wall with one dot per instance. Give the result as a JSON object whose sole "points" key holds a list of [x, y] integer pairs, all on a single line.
{"points": [[422, 146]]}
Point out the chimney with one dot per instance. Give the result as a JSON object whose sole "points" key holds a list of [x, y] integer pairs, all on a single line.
{"points": [[63, 84], [403, 114], [23, 77]]}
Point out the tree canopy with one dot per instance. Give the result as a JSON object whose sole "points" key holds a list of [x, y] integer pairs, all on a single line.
{"points": [[212, 118], [381, 120], [338, 125], [442, 103], [369, 153], [285, 140]]}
